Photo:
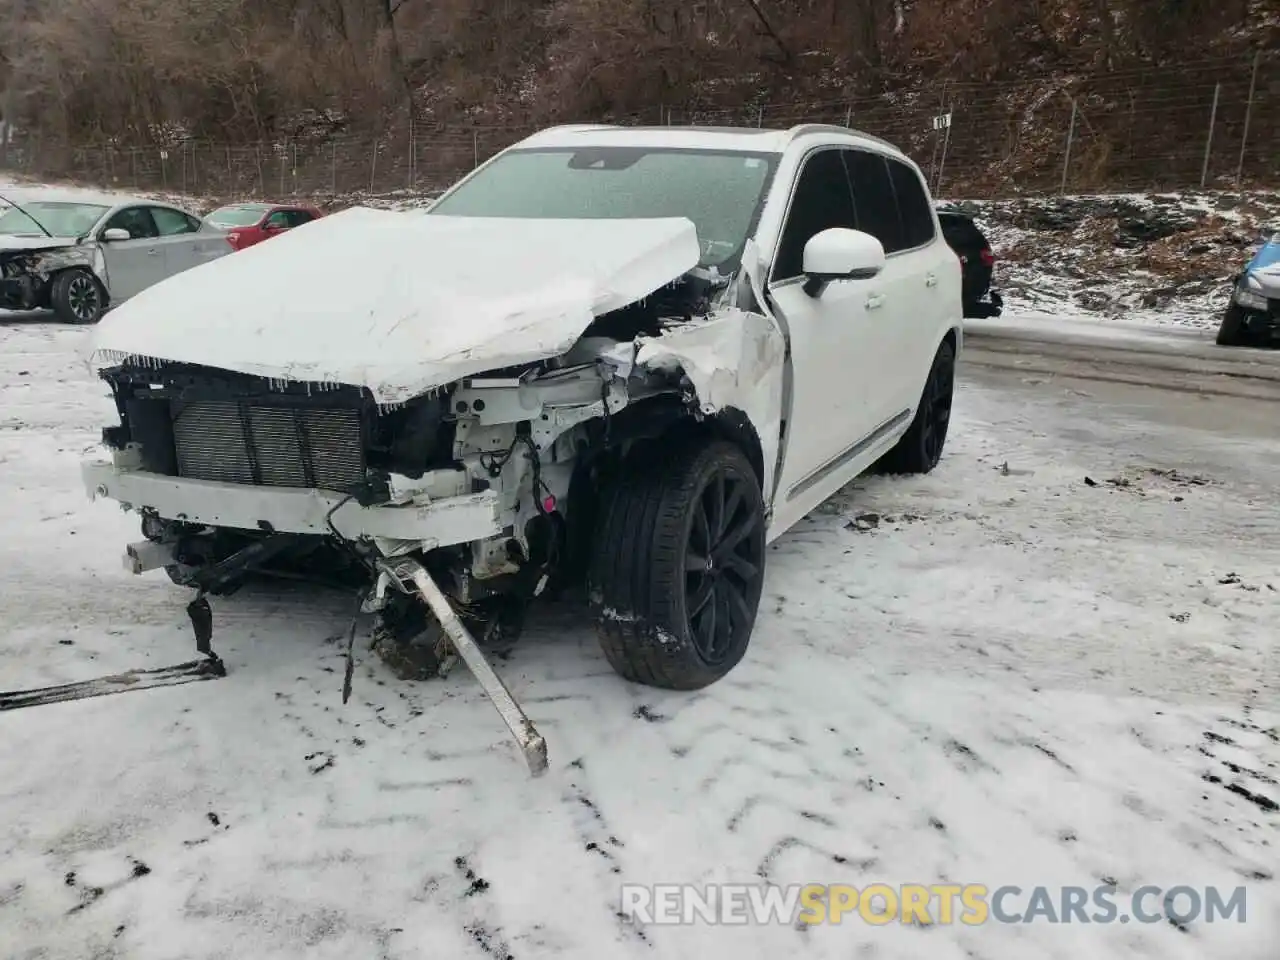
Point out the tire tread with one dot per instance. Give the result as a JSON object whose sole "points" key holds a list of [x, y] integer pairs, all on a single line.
{"points": [[638, 547]]}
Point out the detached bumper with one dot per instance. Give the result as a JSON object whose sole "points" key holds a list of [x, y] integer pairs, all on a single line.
{"points": [[440, 523]]}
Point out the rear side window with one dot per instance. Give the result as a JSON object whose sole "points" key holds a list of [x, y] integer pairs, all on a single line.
{"points": [[913, 205], [873, 193], [237, 216], [822, 200], [173, 222]]}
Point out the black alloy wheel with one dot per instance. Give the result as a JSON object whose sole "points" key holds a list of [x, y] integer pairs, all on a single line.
{"points": [[723, 565]]}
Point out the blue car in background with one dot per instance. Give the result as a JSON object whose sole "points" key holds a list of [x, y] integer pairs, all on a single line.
{"points": [[1253, 316]]}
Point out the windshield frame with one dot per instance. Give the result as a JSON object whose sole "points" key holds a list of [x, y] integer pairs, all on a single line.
{"points": [[726, 266], [40, 222]]}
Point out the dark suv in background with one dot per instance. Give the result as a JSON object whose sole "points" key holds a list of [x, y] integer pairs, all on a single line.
{"points": [[977, 261]]}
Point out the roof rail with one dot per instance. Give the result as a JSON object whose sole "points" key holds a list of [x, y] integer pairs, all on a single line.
{"points": [[804, 128], [561, 127]]}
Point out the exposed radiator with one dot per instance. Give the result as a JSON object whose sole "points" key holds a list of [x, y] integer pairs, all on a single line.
{"points": [[268, 445]]}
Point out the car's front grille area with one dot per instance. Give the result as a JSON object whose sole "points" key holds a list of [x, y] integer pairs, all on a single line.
{"points": [[269, 445]]}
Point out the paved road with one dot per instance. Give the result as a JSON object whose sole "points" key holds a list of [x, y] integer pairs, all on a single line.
{"points": [[1160, 398], [1171, 360]]}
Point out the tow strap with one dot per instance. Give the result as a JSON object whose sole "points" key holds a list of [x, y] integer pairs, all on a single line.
{"points": [[207, 668]]}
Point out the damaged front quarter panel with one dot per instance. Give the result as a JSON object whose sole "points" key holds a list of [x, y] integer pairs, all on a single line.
{"points": [[733, 361], [25, 275]]}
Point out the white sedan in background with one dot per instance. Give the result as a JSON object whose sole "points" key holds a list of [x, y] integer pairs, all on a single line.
{"points": [[80, 254]]}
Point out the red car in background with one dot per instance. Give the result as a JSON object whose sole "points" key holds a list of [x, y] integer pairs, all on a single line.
{"points": [[250, 223]]}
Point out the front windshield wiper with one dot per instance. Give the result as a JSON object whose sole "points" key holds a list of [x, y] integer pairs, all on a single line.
{"points": [[28, 215]]}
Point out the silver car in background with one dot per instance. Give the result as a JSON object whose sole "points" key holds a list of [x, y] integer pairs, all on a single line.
{"points": [[79, 254]]}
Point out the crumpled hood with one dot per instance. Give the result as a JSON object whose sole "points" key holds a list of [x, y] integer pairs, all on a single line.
{"points": [[399, 303], [8, 243]]}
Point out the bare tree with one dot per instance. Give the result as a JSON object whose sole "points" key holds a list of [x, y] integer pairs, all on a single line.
{"points": [[246, 70]]}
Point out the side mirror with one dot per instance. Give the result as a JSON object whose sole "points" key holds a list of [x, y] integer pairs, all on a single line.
{"points": [[116, 234], [840, 254]]}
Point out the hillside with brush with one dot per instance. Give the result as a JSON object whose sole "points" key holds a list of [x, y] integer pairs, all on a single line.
{"points": [[994, 96]]}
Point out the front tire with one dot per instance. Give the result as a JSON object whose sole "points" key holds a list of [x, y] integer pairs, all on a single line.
{"points": [[78, 297], [1233, 332], [678, 567], [920, 448]]}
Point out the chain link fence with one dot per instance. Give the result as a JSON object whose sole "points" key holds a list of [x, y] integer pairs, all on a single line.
{"points": [[1210, 124]]}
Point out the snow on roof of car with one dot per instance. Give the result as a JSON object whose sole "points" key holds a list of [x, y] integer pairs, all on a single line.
{"points": [[62, 195], [745, 139]]}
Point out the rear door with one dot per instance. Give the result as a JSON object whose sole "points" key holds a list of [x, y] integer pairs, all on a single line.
{"points": [[175, 229], [136, 263], [937, 277], [896, 298], [186, 245]]}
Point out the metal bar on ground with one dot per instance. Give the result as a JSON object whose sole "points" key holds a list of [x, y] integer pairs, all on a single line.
{"points": [[531, 743]]}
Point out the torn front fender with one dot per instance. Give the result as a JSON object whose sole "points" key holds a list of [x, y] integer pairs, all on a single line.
{"points": [[42, 261], [26, 272], [734, 361], [83, 255]]}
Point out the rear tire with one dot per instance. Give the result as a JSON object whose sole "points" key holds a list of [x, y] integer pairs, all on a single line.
{"points": [[78, 297], [920, 448], [678, 567]]}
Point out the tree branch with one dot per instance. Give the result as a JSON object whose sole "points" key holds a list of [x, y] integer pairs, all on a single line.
{"points": [[768, 28]]}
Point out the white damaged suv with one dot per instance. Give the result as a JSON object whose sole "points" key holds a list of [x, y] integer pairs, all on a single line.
{"points": [[621, 360]]}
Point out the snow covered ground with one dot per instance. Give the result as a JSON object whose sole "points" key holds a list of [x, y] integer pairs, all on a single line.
{"points": [[1051, 662]]}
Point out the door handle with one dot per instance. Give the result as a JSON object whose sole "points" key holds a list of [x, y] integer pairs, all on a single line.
{"points": [[875, 301], [153, 253], [931, 280]]}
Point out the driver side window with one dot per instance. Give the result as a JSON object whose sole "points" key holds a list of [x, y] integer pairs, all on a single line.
{"points": [[137, 220], [822, 200], [277, 221]]}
